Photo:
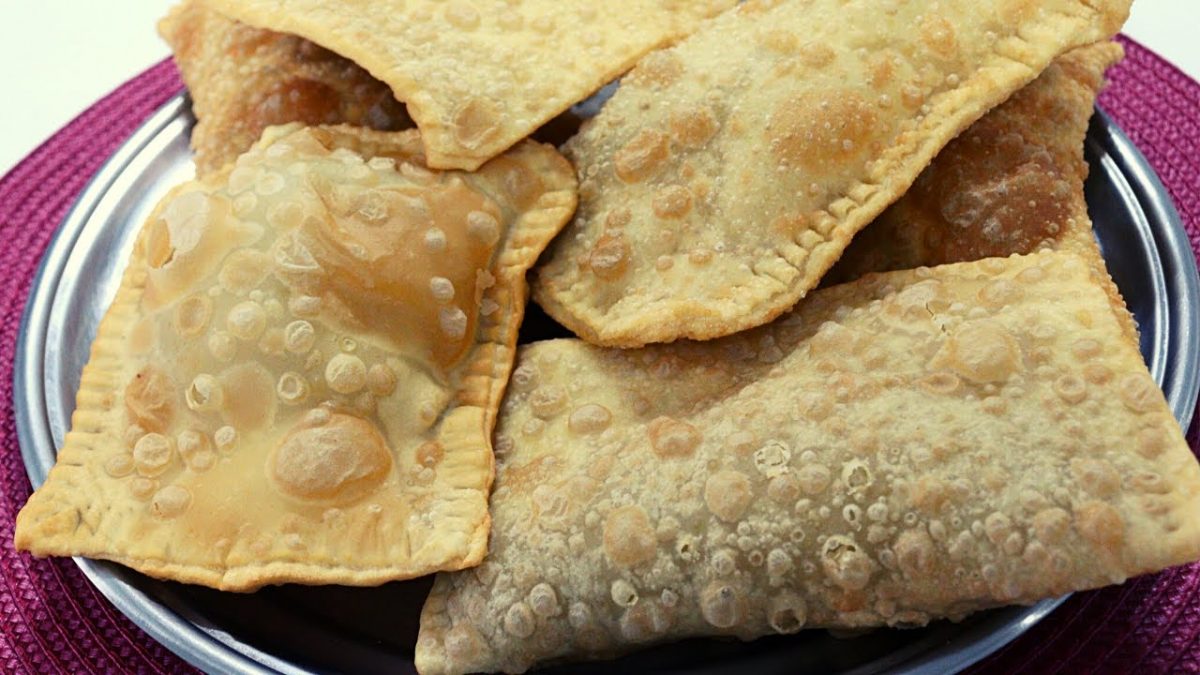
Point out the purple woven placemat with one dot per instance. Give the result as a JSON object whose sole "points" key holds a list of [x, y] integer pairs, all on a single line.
{"points": [[53, 620]]}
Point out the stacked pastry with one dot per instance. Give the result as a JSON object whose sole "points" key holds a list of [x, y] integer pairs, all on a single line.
{"points": [[311, 373]]}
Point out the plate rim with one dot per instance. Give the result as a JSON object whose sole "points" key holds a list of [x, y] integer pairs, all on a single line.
{"points": [[203, 647]]}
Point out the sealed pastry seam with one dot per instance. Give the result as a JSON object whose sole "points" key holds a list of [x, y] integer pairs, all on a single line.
{"points": [[338, 497], [637, 306]]}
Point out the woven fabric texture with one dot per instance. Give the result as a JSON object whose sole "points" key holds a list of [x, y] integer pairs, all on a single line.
{"points": [[53, 620]]}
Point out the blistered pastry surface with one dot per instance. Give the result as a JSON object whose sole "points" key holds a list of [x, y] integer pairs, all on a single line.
{"points": [[300, 374], [910, 446]]}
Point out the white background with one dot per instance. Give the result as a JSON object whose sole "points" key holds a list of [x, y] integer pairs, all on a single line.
{"points": [[57, 57]]}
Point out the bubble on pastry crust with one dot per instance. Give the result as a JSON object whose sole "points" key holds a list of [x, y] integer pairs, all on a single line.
{"points": [[548, 400], [484, 227], [442, 289], [381, 379], [721, 605], [692, 127], [1000, 292], [292, 388], [982, 351], [783, 489], [453, 322], [1098, 477], [609, 256], [590, 418], [222, 346], [728, 494], [150, 399], [673, 438], [628, 537], [1070, 388], [341, 459], [915, 553], [1139, 393], [195, 449], [225, 438], [204, 394], [519, 621], [544, 601], [153, 454], [475, 123], [299, 336], [846, 564], [940, 383], [435, 239], [772, 459], [346, 374], [249, 396], [813, 478], [119, 466], [642, 157], [787, 613], [244, 270], [1051, 525], [1096, 373], [623, 593], [246, 320], [463, 643], [171, 501], [672, 202], [307, 306], [1100, 524], [856, 475], [142, 488], [1151, 441], [779, 563], [192, 315], [814, 130]]}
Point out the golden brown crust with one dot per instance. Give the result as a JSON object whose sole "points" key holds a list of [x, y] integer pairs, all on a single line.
{"points": [[790, 128], [480, 75], [912, 445], [243, 79], [1011, 183], [299, 377]]}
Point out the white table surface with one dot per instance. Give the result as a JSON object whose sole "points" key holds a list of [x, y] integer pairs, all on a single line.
{"points": [[57, 57]]}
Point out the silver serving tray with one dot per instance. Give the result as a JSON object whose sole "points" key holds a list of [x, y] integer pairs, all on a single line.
{"points": [[295, 629]]}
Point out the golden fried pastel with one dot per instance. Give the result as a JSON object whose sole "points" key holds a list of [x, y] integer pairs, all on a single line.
{"points": [[480, 75], [1011, 183], [244, 79], [913, 445], [298, 379], [727, 174]]}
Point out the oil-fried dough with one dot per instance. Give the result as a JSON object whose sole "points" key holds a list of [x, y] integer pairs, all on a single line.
{"points": [[480, 75], [244, 79], [298, 379], [1011, 183], [727, 174], [913, 445]]}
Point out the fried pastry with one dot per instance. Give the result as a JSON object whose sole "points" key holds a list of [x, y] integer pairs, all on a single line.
{"points": [[1011, 183], [727, 174], [914, 445], [298, 379], [244, 79], [480, 75]]}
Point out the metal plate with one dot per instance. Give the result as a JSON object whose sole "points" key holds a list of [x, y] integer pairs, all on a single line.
{"points": [[299, 629]]}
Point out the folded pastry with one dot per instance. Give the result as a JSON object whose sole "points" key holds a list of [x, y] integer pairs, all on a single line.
{"points": [[913, 445], [243, 79], [298, 379], [480, 75], [727, 174], [1011, 183]]}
